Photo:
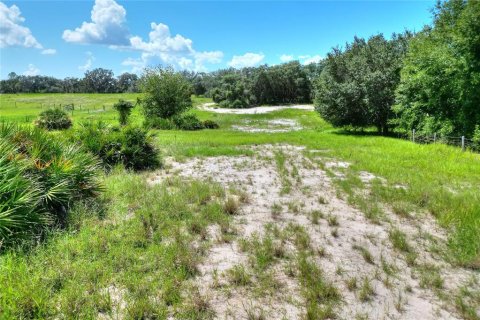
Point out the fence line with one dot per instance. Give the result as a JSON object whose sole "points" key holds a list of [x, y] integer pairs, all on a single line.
{"points": [[461, 142]]}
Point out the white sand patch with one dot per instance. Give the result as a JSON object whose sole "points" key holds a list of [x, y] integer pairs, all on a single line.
{"points": [[396, 297], [254, 110], [269, 126]]}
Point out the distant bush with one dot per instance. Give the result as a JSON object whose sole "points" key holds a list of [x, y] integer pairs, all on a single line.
{"points": [[159, 123], [210, 124], [124, 109], [53, 119], [188, 122], [476, 138], [130, 145], [41, 177]]}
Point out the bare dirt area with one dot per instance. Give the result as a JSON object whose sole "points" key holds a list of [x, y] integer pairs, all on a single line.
{"points": [[269, 126], [255, 110], [291, 212]]}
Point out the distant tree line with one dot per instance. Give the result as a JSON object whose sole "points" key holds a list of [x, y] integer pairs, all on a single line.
{"points": [[240, 88], [428, 81], [95, 81]]}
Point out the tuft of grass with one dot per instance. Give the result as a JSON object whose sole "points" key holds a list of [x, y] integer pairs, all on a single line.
{"points": [[239, 276], [332, 220], [367, 256], [366, 291], [321, 296], [231, 206], [315, 216]]}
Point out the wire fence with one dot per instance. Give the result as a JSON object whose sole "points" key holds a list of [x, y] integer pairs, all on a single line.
{"points": [[466, 144]]}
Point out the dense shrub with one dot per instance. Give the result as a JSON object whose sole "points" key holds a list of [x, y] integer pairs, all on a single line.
{"points": [[159, 123], [187, 122], [210, 124], [167, 93], [124, 109], [42, 176], [181, 122], [130, 145], [53, 119]]}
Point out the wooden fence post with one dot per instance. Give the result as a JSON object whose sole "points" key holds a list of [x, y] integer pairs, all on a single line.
{"points": [[463, 143], [413, 135], [434, 137]]}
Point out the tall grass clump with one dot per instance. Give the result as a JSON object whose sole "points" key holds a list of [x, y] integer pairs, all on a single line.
{"points": [[130, 145], [53, 119], [42, 177]]}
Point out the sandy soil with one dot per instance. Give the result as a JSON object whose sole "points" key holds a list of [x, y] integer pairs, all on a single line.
{"points": [[255, 110], [398, 296], [270, 126]]}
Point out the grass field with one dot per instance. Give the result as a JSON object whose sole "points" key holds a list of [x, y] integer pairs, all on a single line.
{"points": [[140, 246], [24, 108]]}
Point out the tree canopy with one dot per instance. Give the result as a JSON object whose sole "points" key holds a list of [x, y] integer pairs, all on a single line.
{"points": [[439, 89], [357, 85]]}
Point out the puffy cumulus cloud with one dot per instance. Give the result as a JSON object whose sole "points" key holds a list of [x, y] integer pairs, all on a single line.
{"points": [[286, 57], [307, 59], [49, 51], [31, 71], [107, 26], [249, 59], [164, 48], [88, 62], [160, 40], [12, 33]]}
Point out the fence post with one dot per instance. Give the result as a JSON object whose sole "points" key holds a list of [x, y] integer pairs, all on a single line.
{"points": [[463, 143], [413, 135], [435, 137]]}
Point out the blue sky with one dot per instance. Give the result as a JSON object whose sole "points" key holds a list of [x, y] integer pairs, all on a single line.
{"points": [[66, 38]]}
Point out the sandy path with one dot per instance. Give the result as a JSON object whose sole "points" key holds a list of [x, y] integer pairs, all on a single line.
{"points": [[397, 296], [255, 110]]}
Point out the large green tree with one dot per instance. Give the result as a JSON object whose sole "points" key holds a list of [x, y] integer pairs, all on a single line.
{"points": [[167, 92], [440, 82], [357, 85]]}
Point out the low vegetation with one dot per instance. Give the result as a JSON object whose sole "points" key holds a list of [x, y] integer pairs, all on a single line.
{"points": [[53, 119], [42, 179], [131, 146]]}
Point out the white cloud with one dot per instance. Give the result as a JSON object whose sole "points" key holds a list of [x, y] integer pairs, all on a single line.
{"points": [[49, 51], [12, 33], [162, 47], [31, 71], [249, 59], [88, 63], [307, 59], [107, 26], [286, 58]]}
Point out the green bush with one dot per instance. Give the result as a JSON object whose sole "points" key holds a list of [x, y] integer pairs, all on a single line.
{"points": [[210, 124], [124, 109], [53, 119], [130, 146], [187, 122], [167, 93], [42, 176], [159, 123], [476, 138]]}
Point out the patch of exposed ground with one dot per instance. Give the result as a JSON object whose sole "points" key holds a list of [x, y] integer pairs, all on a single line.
{"points": [[269, 126], [255, 110], [290, 209]]}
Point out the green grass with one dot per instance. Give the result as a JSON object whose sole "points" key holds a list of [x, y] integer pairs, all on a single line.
{"points": [[138, 251], [139, 247], [24, 108]]}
